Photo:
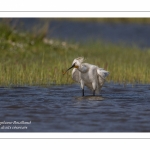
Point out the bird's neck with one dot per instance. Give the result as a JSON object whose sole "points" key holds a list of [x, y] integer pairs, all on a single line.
{"points": [[80, 69]]}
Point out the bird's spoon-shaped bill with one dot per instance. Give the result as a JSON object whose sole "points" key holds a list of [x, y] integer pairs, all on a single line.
{"points": [[69, 69]]}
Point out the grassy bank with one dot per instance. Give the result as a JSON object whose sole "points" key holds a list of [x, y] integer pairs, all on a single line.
{"points": [[125, 64], [31, 59]]}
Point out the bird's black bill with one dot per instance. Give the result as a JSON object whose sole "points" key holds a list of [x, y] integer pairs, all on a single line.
{"points": [[69, 68]]}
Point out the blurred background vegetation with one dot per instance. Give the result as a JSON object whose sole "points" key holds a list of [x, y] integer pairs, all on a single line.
{"points": [[30, 58]]}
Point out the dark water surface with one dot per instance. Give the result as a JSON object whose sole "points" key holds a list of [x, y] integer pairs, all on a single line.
{"points": [[118, 108], [126, 33]]}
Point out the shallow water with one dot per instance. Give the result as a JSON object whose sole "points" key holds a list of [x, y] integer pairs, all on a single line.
{"points": [[126, 33], [118, 108]]}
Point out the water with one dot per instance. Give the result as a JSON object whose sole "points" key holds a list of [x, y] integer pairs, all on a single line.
{"points": [[128, 34], [118, 108]]}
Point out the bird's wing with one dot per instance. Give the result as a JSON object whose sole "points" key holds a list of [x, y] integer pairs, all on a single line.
{"points": [[84, 68], [75, 75], [102, 73]]}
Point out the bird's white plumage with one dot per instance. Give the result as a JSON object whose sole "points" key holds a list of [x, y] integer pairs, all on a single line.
{"points": [[88, 75]]}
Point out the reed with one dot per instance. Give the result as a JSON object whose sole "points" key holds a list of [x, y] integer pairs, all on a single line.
{"points": [[126, 64], [28, 59]]}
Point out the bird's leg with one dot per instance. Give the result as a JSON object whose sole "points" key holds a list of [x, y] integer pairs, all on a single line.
{"points": [[82, 92], [94, 87], [82, 87], [93, 92]]}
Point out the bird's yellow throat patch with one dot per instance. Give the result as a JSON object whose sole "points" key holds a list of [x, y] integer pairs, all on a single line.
{"points": [[76, 66]]}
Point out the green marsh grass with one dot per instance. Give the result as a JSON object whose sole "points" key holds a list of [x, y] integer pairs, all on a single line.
{"points": [[29, 59]]}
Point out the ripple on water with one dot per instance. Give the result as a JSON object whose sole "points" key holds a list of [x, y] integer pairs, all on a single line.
{"points": [[118, 108]]}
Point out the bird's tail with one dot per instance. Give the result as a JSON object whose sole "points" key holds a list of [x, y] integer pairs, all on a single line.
{"points": [[102, 74]]}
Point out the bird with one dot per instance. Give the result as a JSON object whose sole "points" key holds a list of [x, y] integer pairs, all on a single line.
{"points": [[88, 75]]}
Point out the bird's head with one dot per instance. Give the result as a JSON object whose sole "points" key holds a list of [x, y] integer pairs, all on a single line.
{"points": [[76, 63]]}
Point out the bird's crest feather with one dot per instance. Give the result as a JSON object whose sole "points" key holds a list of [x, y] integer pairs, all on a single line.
{"points": [[81, 59]]}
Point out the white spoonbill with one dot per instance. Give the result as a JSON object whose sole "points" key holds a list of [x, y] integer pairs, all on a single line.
{"points": [[88, 75]]}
